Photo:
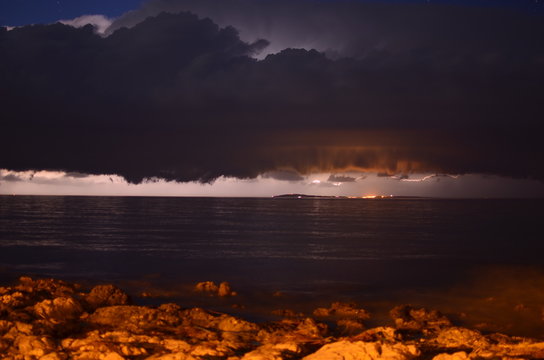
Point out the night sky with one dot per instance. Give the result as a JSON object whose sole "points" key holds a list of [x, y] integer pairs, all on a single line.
{"points": [[24, 12], [196, 90]]}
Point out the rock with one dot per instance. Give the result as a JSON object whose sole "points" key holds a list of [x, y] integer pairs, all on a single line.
{"points": [[349, 327], [460, 355], [136, 319], [209, 287], [175, 356], [459, 338], [206, 286], [299, 331], [273, 352], [359, 350], [45, 320], [342, 310], [4, 345], [382, 333], [34, 346], [21, 328], [46, 288], [214, 350], [175, 345], [520, 348], [13, 300], [111, 356], [409, 318], [54, 356], [233, 324], [225, 290], [58, 310], [106, 295], [5, 326], [287, 313]]}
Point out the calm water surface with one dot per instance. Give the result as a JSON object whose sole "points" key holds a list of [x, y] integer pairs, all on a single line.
{"points": [[299, 245]]}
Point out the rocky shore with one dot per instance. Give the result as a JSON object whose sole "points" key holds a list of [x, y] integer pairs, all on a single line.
{"points": [[50, 319]]}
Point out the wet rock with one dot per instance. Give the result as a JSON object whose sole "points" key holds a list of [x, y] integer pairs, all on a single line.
{"points": [[279, 351], [45, 320], [54, 356], [215, 350], [58, 310], [175, 345], [287, 313], [409, 318], [175, 356], [4, 345], [136, 319], [342, 310], [18, 329], [30, 345], [225, 290], [106, 295], [459, 338], [13, 300], [209, 287], [5, 326], [310, 328], [47, 288], [349, 327], [233, 324], [212, 324], [206, 287], [360, 350], [306, 333], [460, 355], [382, 333], [518, 348]]}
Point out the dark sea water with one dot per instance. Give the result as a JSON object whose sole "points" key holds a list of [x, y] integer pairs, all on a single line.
{"points": [[425, 250]]}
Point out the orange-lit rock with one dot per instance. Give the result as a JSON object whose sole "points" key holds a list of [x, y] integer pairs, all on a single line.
{"points": [[55, 320], [342, 310], [287, 313], [106, 295], [349, 327], [58, 310], [359, 350], [273, 352], [409, 318], [210, 288], [458, 337], [460, 355]]}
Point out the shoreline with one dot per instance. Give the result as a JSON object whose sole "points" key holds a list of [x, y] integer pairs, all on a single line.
{"points": [[50, 319]]}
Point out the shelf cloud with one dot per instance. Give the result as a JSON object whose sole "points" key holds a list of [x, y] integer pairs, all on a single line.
{"points": [[287, 91]]}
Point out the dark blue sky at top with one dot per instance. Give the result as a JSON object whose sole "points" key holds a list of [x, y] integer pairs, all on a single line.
{"points": [[22, 12]]}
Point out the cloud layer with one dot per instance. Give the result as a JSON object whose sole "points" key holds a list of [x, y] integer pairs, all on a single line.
{"points": [[177, 97], [100, 22]]}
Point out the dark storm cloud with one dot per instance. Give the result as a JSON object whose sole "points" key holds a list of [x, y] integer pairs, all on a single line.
{"points": [[340, 178], [76, 175], [179, 98], [284, 175], [11, 178], [360, 28]]}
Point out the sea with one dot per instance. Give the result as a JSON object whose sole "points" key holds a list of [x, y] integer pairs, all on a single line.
{"points": [[479, 260]]}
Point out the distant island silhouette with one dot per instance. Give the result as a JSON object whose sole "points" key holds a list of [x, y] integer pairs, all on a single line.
{"points": [[306, 196]]}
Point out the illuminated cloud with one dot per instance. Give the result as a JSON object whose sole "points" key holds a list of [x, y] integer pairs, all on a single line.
{"points": [[100, 22], [427, 177]]}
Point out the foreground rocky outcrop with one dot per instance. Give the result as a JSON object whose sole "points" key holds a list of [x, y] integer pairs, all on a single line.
{"points": [[54, 320]]}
